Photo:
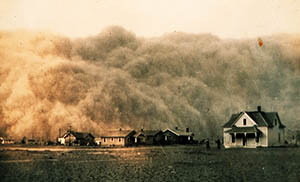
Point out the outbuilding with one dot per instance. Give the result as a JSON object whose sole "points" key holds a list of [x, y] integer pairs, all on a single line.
{"points": [[76, 138], [177, 136], [148, 137], [116, 138]]}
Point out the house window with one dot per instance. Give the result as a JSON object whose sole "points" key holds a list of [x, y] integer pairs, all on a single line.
{"points": [[275, 122], [112, 139], [279, 137], [257, 138], [244, 122], [104, 139], [119, 139], [232, 138]]}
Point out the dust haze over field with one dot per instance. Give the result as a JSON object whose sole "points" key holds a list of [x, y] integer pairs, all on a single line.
{"points": [[116, 79]]}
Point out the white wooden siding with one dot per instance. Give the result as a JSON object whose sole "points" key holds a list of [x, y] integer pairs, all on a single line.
{"points": [[249, 121]]}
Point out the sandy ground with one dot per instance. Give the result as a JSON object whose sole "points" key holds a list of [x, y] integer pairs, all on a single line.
{"points": [[170, 163]]}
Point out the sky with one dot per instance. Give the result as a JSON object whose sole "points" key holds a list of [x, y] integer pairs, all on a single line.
{"points": [[148, 18]]}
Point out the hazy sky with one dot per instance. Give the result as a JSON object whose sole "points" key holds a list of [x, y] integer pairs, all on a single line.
{"points": [[226, 18]]}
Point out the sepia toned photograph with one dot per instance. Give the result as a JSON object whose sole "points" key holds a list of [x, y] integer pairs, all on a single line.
{"points": [[150, 90]]}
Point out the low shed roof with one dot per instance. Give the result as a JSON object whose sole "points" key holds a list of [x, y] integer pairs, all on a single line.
{"points": [[147, 133], [180, 132], [78, 135], [117, 133]]}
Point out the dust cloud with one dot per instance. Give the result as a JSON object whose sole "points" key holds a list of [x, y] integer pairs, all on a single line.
{"points": [[116, 79]]}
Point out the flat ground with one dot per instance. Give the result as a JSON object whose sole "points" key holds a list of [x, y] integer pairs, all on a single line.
{"points": [[170, 163]]}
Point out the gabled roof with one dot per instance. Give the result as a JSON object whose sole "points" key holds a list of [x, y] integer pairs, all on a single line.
{"points": [[261, 118], [117, 133], [179, 132], [232, 120], [147, 133], [78, 135]]}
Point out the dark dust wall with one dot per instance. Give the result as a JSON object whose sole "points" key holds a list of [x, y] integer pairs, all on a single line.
{"points": [[115, 79]]}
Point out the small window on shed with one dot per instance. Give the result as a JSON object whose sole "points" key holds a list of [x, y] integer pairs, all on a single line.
{"points": [[244, 122]]}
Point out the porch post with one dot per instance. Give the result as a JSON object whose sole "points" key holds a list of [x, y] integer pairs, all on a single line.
{"points": [[255, 139], [234, 138], [245, 135]]}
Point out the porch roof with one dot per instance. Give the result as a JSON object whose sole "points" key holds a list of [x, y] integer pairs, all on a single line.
{"points": [[251, 129]]}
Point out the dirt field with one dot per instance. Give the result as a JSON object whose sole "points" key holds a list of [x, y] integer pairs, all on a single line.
{"points": [[171, 163]]}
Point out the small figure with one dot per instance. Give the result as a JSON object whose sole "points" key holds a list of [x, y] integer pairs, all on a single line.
{"points": [[207, 144], [218, 142]]}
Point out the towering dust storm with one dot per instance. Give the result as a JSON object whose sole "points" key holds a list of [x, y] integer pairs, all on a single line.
{"points": [[115, 79]]}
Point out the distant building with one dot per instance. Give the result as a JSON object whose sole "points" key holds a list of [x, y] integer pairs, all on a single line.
{"points": [[252, 129], [4, 140], [116, 138], [32, 142], [177, 136], [76, 138], [148, 137], [61, 140]]}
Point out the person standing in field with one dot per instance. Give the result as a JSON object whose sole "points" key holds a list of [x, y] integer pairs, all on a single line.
{"points": [[207, 144], [218, 142]]}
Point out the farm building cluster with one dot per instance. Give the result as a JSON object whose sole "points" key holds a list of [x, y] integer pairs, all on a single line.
{"points": [[246, 129], [128, 137]]}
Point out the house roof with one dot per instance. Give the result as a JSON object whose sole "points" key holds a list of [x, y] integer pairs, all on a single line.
{"points": [[233, 118], [251, 129], [261, 118], [78, 135], [117, 133], [147, 133], [179, 132]]}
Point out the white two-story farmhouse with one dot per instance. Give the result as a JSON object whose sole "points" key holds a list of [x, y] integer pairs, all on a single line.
{"points": [[252, 129]]}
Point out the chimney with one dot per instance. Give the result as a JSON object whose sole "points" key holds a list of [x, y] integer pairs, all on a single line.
{"points": [[259, 108], [187, 130], [176, 128]]}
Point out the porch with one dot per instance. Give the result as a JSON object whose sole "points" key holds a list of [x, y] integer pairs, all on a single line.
{"points": [[247, 137]]}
